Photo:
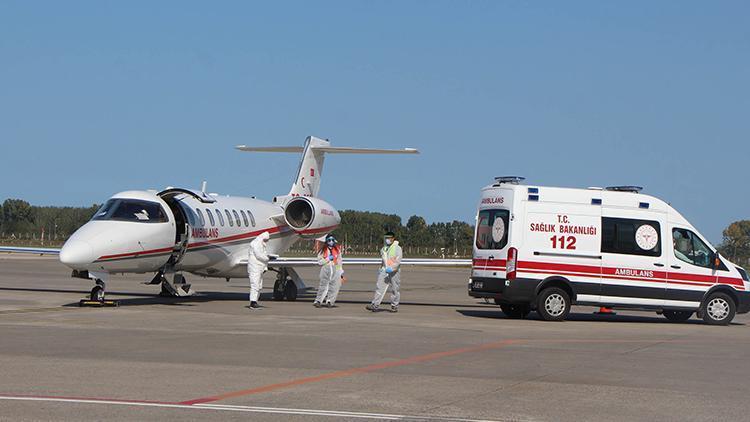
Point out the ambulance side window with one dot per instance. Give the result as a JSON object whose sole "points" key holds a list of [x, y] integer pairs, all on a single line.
{"points": [[492, 229], [690, 248], [631, 237]]}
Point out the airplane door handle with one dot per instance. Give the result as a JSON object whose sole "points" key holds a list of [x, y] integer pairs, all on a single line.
{"points": [[658, 264], [676, 267]]}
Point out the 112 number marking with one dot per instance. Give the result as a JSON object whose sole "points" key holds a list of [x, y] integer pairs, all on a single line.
{"points": [[562, 242]]}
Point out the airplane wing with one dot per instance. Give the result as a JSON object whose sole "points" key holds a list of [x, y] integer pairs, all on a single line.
{"points": [[35, 251], [282, 262]]}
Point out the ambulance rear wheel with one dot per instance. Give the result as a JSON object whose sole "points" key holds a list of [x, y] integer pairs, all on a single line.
{"points": [[515, 310], [553, 304], [678, 316], [718, 309]]}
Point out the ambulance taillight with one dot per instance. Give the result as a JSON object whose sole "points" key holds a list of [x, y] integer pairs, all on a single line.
{"points": [[511, 264]]}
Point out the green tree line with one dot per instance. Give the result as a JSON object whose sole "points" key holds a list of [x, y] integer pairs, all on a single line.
{"points": [[360, 231]]}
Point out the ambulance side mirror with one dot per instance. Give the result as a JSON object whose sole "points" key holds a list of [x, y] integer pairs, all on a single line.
{"points": [[715, 261]]}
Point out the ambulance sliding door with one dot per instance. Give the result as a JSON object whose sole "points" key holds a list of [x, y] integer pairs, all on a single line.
{"points": [[563, 240], [633, 263]]}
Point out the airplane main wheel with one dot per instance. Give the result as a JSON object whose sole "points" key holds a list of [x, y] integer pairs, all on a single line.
{"points": [[290, 291], [278, 292], [97, 293]]}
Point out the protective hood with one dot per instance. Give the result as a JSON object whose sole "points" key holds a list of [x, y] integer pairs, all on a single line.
{"points": [[264, 236]]}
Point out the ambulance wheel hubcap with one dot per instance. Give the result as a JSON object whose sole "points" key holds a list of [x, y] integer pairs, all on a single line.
{"points": [[554, 305], [718, 309]]}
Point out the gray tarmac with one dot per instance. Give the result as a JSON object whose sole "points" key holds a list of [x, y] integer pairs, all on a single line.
{"points": [[443, 356]]}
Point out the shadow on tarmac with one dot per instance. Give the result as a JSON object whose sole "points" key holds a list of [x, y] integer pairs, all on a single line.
{"points": [[144, 299], [581, 317]]}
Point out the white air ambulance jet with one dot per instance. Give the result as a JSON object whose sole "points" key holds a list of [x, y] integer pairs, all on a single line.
{"points": [[182, 230]]}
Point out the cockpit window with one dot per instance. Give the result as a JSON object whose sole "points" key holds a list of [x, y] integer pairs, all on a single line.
{"points": [[123, 209]]}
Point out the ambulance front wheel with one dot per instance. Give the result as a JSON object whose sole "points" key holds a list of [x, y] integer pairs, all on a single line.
{"points": [[718, 309], [515, 310], [553, 304]]}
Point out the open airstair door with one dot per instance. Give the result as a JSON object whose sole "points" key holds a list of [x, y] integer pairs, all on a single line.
{"points": [[183, 217]]}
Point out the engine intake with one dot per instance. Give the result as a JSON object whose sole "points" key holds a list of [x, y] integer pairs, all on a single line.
{"points": [[310, 217]]}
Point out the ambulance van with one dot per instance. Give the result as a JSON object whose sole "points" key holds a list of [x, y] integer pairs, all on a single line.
{"points": [[544, 249]]}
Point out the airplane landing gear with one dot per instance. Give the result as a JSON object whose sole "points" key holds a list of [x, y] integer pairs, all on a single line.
{"points": [[97, 293], [285, 286], [96, 297]]}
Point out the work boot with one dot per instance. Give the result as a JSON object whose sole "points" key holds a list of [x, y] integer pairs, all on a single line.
{"points": [[316, 304], [371, 307], [254, 305], [394, 308], [329, 305]]}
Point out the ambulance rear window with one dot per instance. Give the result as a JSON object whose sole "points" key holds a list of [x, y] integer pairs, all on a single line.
{"points": [[492, 229]]}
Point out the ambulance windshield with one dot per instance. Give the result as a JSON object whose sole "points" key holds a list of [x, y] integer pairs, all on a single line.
{"points": [[492, 229], [121, 209]]}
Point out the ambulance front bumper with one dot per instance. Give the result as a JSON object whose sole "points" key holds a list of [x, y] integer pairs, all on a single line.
{"points": [[519, 290]]}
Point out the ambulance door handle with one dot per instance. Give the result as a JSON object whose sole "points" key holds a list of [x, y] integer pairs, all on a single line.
{"points": [[676, 267], [658, 264]]}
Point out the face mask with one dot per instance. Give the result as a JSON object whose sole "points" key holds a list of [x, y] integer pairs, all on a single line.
{"points": [[389, 241], [330, 243]]}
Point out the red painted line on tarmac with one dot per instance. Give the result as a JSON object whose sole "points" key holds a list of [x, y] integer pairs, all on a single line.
{"points": [[353, 371]]}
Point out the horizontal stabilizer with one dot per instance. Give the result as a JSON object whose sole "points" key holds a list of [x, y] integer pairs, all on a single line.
{"points": [[346, 150], [329, 150], [269, 149]]}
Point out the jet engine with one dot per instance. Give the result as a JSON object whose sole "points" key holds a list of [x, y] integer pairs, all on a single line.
{"points": [[310, 217]]}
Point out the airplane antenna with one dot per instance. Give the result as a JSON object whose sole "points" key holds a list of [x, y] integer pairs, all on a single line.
{"points": [[203, 187]]}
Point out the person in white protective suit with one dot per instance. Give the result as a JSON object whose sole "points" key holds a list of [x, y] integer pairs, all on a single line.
{"points": [[331, 272], [257, 264], [389, 274]]}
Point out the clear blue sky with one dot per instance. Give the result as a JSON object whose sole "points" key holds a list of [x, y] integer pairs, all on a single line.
{"points": [[103, 96]]}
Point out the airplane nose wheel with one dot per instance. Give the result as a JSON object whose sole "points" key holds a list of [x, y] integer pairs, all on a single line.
{"points": [[97, 293]]}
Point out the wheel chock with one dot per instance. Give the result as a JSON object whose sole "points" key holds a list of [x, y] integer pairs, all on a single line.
{"points": [[605, 311], [98, 303]]}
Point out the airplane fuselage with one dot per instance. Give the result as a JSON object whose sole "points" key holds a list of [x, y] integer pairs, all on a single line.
{"points": [[208, 235]]}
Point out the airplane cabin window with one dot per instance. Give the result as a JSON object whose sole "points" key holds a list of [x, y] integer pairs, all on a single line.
{"points": [[244, 218], [221, 217], [252, 218], [210, 217], [134, 210], [201, 220], [229, 217], [236, 218]]}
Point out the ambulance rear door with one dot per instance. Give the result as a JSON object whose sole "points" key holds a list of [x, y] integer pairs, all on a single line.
{"points": [[492, 234]]}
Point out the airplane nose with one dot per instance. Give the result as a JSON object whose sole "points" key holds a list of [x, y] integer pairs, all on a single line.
{"points": [[76, 253]]}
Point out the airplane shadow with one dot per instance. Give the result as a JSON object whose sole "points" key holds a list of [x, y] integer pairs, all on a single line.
{"points": [[582, 317]]}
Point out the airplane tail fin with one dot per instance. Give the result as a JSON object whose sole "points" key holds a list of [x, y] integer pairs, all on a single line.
{"points": [[307, 181]]}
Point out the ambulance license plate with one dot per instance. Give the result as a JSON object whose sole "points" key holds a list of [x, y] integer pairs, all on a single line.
{"points": [[478, 285]]}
